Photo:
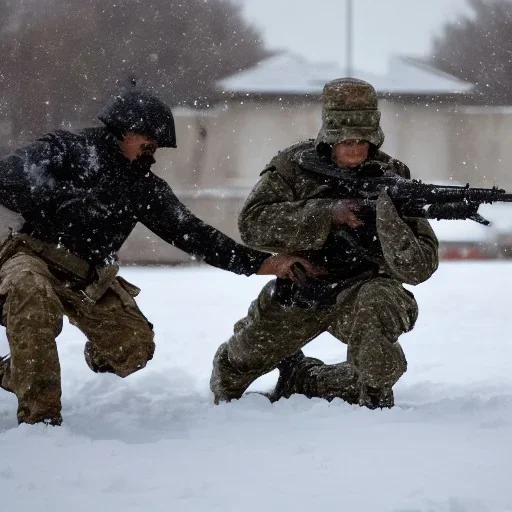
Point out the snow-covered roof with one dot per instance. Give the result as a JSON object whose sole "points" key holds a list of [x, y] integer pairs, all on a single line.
{"points": [[284, 73], [289, 73], [413, 76]]}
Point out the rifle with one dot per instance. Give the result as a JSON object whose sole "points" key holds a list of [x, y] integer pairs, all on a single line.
{"points": [[412, 198]]}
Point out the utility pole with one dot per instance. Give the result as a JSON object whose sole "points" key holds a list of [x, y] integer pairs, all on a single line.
{"points": [[349, 65]]}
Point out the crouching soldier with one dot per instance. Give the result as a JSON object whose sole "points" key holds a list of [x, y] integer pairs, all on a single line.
{"points": [[368, 252], [81, 195]]}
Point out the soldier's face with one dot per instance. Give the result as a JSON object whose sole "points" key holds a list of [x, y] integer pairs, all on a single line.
{"points": [[134, 146], [350, 153]]}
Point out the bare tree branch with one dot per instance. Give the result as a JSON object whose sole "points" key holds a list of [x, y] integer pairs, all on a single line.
{"points": [[478, 48], [62, 58]]}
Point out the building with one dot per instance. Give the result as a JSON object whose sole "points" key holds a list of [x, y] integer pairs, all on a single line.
{"points": [[427, 117], [278, 102]]}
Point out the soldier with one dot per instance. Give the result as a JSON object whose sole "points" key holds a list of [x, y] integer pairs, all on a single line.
{"points": [[81, 195], [369, 254]]}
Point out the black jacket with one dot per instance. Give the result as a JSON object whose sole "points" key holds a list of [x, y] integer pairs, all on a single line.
{"points": [[78, 190]]}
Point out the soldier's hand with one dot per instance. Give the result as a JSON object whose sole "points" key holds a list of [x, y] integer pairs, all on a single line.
{"points": [[344, 212], [280, 265]]}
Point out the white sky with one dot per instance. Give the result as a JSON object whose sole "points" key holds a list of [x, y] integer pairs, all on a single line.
{"points": [[316, 28]]}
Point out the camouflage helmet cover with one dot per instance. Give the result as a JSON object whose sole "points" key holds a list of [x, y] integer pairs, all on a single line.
{"points": [[350, 111]]}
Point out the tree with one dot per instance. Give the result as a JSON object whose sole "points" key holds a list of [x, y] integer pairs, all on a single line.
{"points": [[61, 59], [478, 48]]}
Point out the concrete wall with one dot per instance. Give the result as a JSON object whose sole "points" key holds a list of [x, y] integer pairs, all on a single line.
{"points": [[419, 136], [244, 136], [480, 139], [463, 144]]}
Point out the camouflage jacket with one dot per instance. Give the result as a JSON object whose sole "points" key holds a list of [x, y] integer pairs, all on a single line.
{"points": [[290, 210]]}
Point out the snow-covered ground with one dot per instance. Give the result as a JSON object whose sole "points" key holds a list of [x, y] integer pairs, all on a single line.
{"points": [[154, 442]]}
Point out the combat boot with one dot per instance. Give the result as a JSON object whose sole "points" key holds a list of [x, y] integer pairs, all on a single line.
{"points": [[292, 373], [376, 398]]}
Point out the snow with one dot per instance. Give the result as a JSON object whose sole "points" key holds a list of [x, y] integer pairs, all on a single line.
{"points": [[154, 441]]}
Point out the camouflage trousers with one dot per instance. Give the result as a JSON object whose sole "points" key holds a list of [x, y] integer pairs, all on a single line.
{"points": [[368, 316], [119, 337]]}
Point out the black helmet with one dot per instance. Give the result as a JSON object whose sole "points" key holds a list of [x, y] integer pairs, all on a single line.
{"points": [[140, 112]]}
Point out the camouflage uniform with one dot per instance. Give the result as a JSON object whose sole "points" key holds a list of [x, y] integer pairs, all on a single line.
{"points": [[39, 284], [362, 303]]}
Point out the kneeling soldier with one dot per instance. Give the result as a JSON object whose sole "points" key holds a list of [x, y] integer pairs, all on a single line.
{"points": [[368, 253]]}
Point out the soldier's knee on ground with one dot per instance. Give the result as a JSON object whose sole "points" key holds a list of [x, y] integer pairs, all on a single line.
{"points": [[122, 360]]}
